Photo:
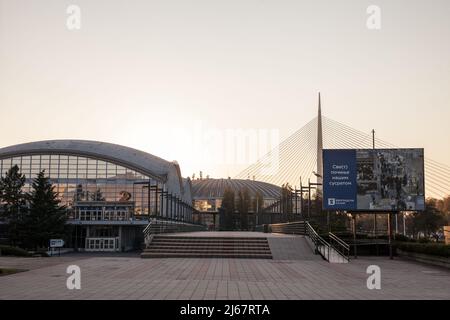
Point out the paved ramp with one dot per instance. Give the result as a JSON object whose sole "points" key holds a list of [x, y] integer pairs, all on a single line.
{"points": [[291, 248]]}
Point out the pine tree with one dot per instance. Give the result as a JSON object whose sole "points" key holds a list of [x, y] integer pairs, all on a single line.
{"points": [[97, 196], [258, 202], [286, 198], [430, 220], [79, 193], [243, 207], [13, 199], [228, 209], [47, 218]]}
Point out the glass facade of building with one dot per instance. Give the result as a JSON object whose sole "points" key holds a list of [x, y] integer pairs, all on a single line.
{"points": [[209, 205], [91, 189]]}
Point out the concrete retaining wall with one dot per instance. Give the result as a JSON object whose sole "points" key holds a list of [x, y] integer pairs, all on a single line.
{"points": [[425, 258]]}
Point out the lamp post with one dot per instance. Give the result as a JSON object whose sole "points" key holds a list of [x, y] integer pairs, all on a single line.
{"points": [[404, 224], [353, 224], [312, 186]]}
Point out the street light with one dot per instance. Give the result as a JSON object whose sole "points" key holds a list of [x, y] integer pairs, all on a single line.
{"points": [[317, 175]]}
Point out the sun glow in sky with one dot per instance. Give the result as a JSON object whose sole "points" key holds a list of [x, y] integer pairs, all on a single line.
{"points": [[150, 74]]}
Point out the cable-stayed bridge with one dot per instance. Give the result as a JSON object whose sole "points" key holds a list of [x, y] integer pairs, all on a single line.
{"points": [[300, 154]]}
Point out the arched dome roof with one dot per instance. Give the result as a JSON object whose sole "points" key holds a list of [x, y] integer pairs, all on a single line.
{"points": [[145, 163], [214, 188]]}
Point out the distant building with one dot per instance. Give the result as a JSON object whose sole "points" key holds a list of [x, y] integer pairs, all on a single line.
{"points": [[207, 195]]}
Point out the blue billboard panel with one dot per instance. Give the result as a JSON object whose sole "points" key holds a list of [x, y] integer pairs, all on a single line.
{"points": [[373, 179], [339, 180]]}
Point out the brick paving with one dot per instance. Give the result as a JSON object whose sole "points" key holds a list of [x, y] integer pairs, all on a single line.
{"points": [[129, 277]]}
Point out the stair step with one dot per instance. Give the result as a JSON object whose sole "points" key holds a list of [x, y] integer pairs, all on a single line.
{"points": [[206, 255], [208, 241], [211, 238], [208, 247], [179, 246], [210, 251]]}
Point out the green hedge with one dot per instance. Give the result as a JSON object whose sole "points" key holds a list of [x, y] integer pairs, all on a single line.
{"points": [[7, 271], [436, 249], [13, 251]]}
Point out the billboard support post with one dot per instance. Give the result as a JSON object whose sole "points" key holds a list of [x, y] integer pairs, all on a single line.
{"points": [[354, 235], [328, 221], [404, 224], [309, 199], [396, 225], [390, 235], [375, 215]]}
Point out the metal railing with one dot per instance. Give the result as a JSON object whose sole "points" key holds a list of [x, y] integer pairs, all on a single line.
{"points": [[340, 246], [163, 225], [321, 246], [334, 250], [297, 227]]}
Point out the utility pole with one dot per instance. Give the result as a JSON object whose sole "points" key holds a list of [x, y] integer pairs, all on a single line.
{"points": [[373, 138], [404, 224], [309, 199], [375, 215], [391, 255], [355, 254]]}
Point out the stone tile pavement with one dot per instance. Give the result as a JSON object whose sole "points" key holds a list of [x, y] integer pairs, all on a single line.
{"points": [[129, 277]]}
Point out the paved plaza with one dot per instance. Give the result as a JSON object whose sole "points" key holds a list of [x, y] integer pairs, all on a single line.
{"points": [[130, 277]]}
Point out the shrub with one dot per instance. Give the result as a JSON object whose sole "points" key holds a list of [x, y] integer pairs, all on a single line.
{"points": [[400, 237], [41, 253], [7, 271], [13, 251], [436, 249]]}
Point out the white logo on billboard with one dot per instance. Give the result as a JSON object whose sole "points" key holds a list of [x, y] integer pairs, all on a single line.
{"points": [[331, 201]]}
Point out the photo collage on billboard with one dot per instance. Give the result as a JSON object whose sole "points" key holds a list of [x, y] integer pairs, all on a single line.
{"points": [[374, 179], [390, 179]]}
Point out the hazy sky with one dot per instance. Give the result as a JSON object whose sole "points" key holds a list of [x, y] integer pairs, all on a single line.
{"points": [[139, 73]]}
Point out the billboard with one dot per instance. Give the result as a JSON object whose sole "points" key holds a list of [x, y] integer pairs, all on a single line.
{"points": [[373, 179]]}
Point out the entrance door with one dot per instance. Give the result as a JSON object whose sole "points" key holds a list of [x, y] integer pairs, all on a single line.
{"points": [[102, 244]]}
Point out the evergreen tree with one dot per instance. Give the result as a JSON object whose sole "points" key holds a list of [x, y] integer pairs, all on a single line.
{"points": [[243, 207], [79, 193], [286, 198], [228, 208], [97, 196], [257, 206], [428, 221], [13, 201], [47, 219], [258, 202]]}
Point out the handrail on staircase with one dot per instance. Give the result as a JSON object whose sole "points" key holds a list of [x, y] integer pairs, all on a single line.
{"points": [[318, 241], [147, 228], [162, 223], [340, 246]]}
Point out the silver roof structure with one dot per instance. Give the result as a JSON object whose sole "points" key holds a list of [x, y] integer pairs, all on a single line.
{"points": [[145, 163], [214, 188]]}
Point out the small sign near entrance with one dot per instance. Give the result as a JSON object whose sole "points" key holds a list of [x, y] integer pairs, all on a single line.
{"points": [[56, 243]]}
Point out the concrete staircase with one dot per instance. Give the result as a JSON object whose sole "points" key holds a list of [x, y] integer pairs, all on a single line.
{"points": [[171, 246]]}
